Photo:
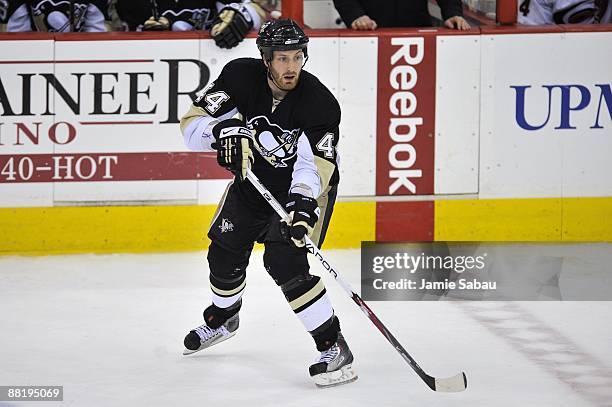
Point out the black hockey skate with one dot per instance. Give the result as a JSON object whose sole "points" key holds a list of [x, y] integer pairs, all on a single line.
{"points": [[334, 366], [204, 336]]}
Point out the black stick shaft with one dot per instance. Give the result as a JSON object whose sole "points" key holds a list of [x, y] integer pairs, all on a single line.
{"points": [[154, 9], [452, 384], [430, 381]]}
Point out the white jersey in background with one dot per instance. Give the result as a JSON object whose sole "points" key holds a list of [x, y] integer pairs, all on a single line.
{"points": [[542, 12], [14, 16]]}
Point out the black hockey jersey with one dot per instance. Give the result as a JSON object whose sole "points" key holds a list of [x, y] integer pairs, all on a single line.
{"points": [[295, 143], [197, 13], [54, 16]]}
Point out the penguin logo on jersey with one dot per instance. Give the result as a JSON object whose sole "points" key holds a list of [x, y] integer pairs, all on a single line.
{"points": [[276, 145]]}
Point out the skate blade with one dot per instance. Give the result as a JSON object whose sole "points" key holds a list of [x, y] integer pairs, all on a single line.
{"points": [[208, 345], [336, 378]]}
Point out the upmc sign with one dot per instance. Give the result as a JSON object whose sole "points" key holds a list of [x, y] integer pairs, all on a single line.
{"points": [[596, 100], [406, 115]]}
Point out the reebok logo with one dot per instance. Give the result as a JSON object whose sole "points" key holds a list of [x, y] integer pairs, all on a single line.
{"points": [[402, 106], [405, 124]]}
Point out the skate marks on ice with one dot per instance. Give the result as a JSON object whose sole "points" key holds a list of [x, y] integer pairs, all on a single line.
{"points": [[548, 348]]}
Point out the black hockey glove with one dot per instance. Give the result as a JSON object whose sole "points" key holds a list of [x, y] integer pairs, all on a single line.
{"points": [[233, 144], [232, 24], [303, 213]]}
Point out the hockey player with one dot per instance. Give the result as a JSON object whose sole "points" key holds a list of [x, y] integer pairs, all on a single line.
{"points": [[227, 21], [271, 115], [541, 12], [15, 16], [71, 16], [55, 16]]}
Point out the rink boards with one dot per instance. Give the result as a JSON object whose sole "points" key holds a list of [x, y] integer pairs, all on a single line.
{"points": [[493, 134]]}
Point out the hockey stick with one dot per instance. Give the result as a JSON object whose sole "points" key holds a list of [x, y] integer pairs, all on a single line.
{"points": [[71, 16], [154, 10], [449, 384]]}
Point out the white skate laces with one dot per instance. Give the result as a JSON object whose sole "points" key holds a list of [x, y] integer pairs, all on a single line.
{"points": [[204, 337], [334, 365], [328, 355], [206, 333]]}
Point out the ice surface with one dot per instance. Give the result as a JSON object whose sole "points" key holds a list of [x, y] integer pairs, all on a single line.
{"points": [[110, 330]]}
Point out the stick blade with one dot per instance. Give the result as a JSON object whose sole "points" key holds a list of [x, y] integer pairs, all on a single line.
{"points": [[451, 384]]}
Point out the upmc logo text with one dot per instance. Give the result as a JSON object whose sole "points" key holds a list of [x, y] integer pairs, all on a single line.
{"points": [[405, 120], [593, 105]]}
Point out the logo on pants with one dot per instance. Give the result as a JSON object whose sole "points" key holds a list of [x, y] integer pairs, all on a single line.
{"points": [[226, 226]]}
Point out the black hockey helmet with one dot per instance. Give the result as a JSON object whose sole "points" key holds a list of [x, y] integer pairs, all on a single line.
{"points": [[281, 35]]}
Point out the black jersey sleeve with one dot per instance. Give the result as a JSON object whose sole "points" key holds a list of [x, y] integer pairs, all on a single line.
{"points": [[221, 96], [450, 8], [220, 100], [322, 129]]}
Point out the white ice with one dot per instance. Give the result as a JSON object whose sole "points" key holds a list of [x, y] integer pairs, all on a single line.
{"points": [[109, 328]]}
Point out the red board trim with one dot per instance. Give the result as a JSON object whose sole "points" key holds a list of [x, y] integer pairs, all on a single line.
{"points": [[79, 167]]}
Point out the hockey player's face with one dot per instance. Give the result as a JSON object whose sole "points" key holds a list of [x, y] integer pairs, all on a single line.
{"points": [[285, 68]]}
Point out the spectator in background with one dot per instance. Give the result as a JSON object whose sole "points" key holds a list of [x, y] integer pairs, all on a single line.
{"points": [[372, 14], [134, 13], [83, 16], [604, 11], [15, 16], [542, 12], [228, 21], [55, 16]]}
